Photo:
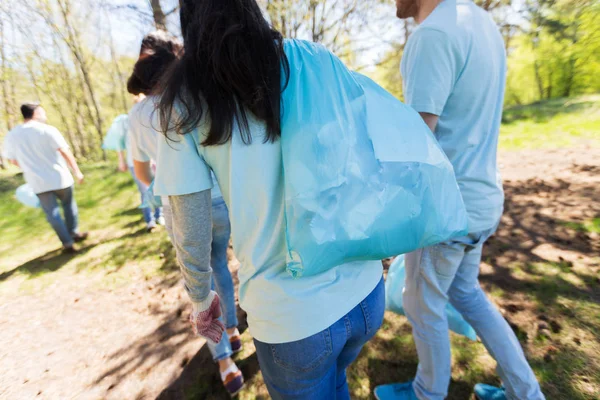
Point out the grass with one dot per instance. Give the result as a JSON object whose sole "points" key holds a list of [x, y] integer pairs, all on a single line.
{"points": [[30, 257], [591, 226], [551, 124], [567, 360]]}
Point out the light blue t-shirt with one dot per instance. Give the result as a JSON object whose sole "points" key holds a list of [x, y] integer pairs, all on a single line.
{"points": [[118, 139], [34, 146], [280, 308], [454, 66]]}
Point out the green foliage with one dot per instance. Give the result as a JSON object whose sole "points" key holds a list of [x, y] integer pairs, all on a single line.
{"points": [[558, 55], [387, 73], [556, 52]]}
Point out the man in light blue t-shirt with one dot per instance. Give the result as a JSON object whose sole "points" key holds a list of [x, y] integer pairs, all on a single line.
{"points": [[454, 71]]}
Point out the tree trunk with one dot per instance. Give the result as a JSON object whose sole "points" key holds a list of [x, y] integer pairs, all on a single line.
{"points": [[570, 77], [120, 79], [6, 90], [80, 60], [160, 19]]}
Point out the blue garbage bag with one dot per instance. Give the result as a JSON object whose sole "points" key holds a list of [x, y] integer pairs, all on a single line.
{"points": [[27, 196], [364, 177], [149, 199], [394, 287]]}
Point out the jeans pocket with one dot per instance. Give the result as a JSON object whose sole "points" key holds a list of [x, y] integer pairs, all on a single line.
{"points": [[443, 259], [303, 355]]}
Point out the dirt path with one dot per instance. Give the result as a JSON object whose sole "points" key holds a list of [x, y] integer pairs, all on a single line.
{"points": [[69, 341]]}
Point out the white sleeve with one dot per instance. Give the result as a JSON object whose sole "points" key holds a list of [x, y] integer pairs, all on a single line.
{"points": [[56, 140], [136, 130]]}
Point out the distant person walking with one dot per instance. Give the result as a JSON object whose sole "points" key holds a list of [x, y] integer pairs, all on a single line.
{"points": [[118, 139], [43, 155]]}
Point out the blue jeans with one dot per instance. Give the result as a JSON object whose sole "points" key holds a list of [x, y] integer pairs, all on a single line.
{"points": [[49, 203], [222, 282], [449, 272], [147, 211], [315, 368]]}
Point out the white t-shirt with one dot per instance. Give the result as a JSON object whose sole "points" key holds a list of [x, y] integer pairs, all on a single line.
{"points": [[143, 130], [144, 135], [34, 146]]}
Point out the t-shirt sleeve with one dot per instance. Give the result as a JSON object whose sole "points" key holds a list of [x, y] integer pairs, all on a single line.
{"points": [[136, 132], [429, 70], [180, 168], [56, 140]]}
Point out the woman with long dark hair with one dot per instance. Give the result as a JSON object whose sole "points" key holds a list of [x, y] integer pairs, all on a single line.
{"points": [[157, 54], [220, 111]]}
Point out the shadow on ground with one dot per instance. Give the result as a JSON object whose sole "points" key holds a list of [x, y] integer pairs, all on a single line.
{"points": [[49, 262]]}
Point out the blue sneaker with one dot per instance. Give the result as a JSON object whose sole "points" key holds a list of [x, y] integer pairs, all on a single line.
{"points": [[488, 392], [396, 391]]}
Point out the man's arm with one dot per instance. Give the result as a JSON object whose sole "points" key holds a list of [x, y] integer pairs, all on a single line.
{"points": [[143, 171], [72, 163], [429, 68], [14, 162], [430, 119]]}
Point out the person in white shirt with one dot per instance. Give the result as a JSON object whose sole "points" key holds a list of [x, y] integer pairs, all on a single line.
{"points": [[118, 139], [43, 154]]}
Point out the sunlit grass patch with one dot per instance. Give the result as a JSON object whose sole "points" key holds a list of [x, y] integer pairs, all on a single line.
{"points": [[551, 124]]}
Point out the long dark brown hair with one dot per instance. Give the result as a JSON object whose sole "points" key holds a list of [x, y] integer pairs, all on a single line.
{"points": [[232, 64], [158, 51]]}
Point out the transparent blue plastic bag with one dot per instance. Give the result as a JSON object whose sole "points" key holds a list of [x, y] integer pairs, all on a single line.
{"points": [[394, 286], [150, 200], [27, 197], [364, 176]]}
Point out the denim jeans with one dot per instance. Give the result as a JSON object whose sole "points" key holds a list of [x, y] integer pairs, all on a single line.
{"points": [[315, 368], [449, 272], [222, 282], [49, 203], [147, 211]]}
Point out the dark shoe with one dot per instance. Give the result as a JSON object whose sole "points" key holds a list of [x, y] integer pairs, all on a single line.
{"points": [[80, 237], [70, 250], [235, 341], [233, 382]]}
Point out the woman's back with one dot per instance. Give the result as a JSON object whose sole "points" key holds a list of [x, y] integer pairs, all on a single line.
{"points": [[226, 92], [280, 308]]}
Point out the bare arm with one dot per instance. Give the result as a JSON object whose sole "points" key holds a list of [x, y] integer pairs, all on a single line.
{"points": [[14, 162], [430, 119], [72, 163], [122, 161], [143, 171]]}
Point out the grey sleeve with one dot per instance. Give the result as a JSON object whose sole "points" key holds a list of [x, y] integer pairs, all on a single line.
{"points": [[192, 237]]}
